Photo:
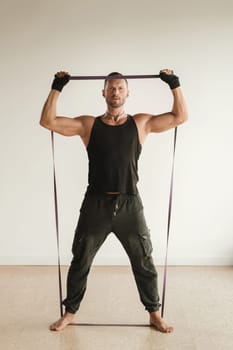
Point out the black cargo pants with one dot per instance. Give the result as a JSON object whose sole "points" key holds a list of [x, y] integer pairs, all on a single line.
{"points": [[123, 215]]}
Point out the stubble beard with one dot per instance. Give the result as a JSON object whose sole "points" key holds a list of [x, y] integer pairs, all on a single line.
{"points": [[115, 104]]}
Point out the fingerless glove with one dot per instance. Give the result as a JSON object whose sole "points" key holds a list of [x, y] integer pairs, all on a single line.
{"points": [[171, 79], [60, 82]]}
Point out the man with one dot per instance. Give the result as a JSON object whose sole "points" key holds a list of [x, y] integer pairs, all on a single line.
{"points": [[112, 203]]}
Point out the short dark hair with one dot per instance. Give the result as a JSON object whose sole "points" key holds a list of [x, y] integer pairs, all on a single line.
{"points": [[114, 75]]}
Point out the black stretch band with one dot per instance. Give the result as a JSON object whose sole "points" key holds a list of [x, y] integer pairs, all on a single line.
{"points": [[168, 226], [57, 228], [168, 223], [57, 221], [104, 77]]}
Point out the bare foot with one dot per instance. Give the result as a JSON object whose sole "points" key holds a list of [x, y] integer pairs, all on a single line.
{"points": [[158, 323], [63, 322]]}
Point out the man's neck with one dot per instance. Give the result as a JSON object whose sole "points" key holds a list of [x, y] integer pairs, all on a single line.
{"points": [[114, 114]]}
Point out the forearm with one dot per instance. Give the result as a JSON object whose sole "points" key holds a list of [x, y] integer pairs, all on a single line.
{"points": [[179, 109], [49, 111]]}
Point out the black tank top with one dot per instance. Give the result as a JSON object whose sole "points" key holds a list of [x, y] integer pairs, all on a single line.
{"points": [[113, 153]]}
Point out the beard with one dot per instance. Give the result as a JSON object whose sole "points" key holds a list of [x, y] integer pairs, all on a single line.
{"points": [[115, 103]]}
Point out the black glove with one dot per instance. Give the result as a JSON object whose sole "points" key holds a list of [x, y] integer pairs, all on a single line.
{"points": [[171, 79], [60, 82]]}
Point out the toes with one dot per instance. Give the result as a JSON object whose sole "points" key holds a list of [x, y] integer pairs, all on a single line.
{"points": [[55, 327], [162, 328], [168, 329], [52, 327]]}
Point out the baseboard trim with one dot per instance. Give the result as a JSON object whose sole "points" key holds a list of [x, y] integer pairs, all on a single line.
{"points": [[116, 260]]}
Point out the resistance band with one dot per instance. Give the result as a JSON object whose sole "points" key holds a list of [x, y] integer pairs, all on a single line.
{"points": [[111, 324], [116, 76], [57, 227], [56, 201], [168, 223]]}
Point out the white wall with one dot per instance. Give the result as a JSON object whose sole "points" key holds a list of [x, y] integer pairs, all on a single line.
{"points": [[134, 37]]}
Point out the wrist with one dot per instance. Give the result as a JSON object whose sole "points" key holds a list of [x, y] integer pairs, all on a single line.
{"points": [[174, 83], [54, 93], [56, 87]]}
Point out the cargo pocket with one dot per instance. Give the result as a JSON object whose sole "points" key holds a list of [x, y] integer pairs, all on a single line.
{"points": [[77, 242], [138, 203], [146, 243]]}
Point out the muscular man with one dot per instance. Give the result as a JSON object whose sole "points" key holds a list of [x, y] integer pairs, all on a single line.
{"points": [[112, 202]]}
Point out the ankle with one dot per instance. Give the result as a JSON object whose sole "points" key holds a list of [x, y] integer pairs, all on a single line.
{"points": [[68, 315], [155, 314]]}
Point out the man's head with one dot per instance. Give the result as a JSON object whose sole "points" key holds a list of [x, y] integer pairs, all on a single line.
{"points": [[115, 90], [111, 76]]}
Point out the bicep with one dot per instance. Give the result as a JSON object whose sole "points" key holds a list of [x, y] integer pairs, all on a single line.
{"points": [[67, 126], [148, 123], [161, 122]]}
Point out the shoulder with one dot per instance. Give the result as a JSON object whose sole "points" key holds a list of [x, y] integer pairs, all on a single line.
{"points": [[141, 119], [86, 120]]}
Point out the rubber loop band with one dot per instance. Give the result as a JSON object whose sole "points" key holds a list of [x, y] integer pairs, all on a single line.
{"points": [[57, 227], [168, 224], [104, 77], [170, 196], [110, 324]]}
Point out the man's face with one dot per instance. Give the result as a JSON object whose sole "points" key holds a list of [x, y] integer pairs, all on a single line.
{"points": [[115, 92]]}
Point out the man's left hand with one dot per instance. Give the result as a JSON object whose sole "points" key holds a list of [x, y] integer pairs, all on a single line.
{"points": [[170, 78]]}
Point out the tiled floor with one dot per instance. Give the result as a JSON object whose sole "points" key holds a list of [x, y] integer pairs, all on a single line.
{"points": [[199, 305]]}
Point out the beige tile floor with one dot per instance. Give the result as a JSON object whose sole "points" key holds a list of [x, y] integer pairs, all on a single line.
{"points": [[199, 305]]}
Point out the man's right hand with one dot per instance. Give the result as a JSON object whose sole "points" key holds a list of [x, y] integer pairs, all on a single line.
{"points": [[60, 80]]}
